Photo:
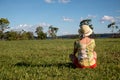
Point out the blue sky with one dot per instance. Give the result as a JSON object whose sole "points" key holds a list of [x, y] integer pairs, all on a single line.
{"points": [[64, 14]]}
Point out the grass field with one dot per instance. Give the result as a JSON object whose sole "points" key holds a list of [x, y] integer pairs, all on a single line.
{"points": [[48, 60]]}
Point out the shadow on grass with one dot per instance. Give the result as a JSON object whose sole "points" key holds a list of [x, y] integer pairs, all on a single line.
{"points": [[59, 65]]}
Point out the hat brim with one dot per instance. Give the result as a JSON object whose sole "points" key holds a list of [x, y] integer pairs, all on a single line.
{"points": [[88, 33]]}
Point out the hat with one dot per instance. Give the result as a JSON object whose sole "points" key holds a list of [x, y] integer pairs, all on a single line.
{"points": [[86, 30]]}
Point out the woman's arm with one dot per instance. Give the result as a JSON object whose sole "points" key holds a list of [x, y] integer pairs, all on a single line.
{"points": [[75, 48]]}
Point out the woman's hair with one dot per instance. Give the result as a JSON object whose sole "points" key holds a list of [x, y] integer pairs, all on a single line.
{"points": [[81, 36], [90, 36]]}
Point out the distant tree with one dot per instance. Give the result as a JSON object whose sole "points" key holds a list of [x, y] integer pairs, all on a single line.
{"points": [[15, 35], [39, 29], [40, 33], [112, 26], [53, 31], [30, 35], [1, 34], [10, 35], [24, 35], [4, 24]]}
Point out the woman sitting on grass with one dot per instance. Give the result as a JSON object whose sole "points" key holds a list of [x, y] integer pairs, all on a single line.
{"points": [[85, 48]]}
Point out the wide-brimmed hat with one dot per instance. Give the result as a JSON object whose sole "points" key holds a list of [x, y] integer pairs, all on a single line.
{"points": [[86, 30]]}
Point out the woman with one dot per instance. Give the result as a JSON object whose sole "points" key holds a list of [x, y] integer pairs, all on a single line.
{"points": [[85, 48]]}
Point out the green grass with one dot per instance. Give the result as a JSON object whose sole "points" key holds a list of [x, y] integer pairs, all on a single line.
{"points": [[48, 60]]}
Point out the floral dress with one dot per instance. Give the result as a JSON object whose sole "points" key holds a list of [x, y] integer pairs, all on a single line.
{"points": [[86, 53]]}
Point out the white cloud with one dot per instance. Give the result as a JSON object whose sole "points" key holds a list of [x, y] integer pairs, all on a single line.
{"points": [[91, 16], [107, 18], [44, 24], [67, 19], [49, 1], [27, 27], [64, 1]]}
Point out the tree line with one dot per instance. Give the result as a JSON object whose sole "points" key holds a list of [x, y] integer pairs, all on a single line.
{"points": [[52, 31], [24, 35]]}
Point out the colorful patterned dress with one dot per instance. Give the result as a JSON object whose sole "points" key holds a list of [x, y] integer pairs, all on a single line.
{"points": [[86, 54]]}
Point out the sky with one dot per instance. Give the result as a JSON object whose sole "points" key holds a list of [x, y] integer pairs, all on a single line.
{"points": [[63, 14]]}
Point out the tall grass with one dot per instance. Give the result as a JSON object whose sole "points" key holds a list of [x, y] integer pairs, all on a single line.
{"points": [[48, 60]]}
